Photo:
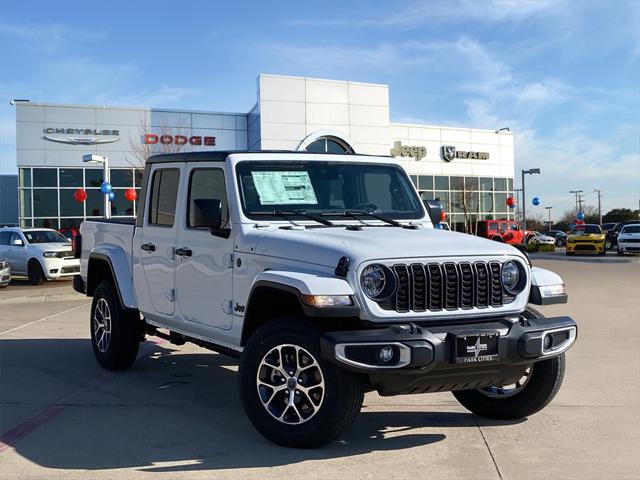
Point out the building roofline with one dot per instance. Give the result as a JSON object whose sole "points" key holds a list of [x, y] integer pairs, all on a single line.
{"points": [[447, 127], [328, 80], [121, 107]]}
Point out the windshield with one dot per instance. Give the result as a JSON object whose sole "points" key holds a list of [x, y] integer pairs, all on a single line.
{"points": [[631, 229], [326, 188], [586, 229], [44, 236]]}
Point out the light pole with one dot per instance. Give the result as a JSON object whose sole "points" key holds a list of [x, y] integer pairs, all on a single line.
{"points": [[549, 222], [599, 204], [576, 193], [517, 192], [106, 177], [524, 198]]}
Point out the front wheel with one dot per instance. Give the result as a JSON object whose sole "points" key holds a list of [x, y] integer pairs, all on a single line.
{"points": [[291, 394], [115, 332], [538, 385], [36, 275]]}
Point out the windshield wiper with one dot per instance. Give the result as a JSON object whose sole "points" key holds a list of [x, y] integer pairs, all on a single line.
{"points": [[383, 218], [302, 213]]}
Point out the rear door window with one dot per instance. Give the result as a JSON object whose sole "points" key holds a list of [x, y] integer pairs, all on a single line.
{"points": [[164, 194], [493, 227]]}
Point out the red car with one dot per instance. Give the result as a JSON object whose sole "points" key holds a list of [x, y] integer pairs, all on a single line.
{"points": [[506, 231]]}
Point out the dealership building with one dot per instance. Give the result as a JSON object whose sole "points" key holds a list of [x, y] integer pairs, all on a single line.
{"points": [[469, 170]]}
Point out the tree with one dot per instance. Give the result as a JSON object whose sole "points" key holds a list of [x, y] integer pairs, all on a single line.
{"points": [[141, 150], [466, 201], [618, 215]]}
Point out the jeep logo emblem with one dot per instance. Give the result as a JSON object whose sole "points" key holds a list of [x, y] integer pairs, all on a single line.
{"points": [[400, 150]]}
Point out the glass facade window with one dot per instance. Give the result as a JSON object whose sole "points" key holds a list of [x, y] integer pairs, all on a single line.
{"points": [[425, 182], [486, 184], [24, 177], [69, 207], [471, 183], [71, 222], [121, 177], [93, 177], [501, 184], [71, 177], [46, 223], [442, 183], [45, 177], [94, 203], [25, 203], [45, 202], [121, 206]]}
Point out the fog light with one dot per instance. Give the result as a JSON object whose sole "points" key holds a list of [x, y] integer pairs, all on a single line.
{"points": [[386, 354], [547, 342]]}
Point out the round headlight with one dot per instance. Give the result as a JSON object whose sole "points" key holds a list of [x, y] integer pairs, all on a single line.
{"points": [[510, 276], [374, 280]]}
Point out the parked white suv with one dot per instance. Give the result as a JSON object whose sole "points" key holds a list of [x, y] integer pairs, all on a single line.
{"points": [[40, 253], [629, 239], [325, 275]]}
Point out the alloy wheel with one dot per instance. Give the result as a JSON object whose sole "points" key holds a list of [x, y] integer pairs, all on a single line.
{"points": [[290, 384], [102, 325], [504, 391]]}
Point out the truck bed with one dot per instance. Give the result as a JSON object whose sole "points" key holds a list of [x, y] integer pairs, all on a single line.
{"points": [[105, 235]]}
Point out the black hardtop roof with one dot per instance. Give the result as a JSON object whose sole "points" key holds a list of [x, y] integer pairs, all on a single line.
{"points": [[221, 155]]}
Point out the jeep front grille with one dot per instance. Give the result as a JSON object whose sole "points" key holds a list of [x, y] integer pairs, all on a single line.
{"points": [[446, 286]]}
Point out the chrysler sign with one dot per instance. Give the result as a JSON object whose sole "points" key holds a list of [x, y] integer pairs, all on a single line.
{"points": [[81, 136]]}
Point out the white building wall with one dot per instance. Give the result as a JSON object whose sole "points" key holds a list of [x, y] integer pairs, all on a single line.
{"points": [[291, 108], [229, 130]]}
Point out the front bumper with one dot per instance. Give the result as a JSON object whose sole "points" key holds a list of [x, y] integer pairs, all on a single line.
{"points": [[5, 276], [631, 247], [426, 358], [61, 267], [586, 247]]}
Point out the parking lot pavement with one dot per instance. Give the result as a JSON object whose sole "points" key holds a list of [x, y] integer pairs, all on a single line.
{"points": [[176, 413], [20, 291]]}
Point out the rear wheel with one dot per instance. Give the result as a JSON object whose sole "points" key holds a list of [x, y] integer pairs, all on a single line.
{"points": [[291, 394], [36, 275], [620, 252], [115, 332]]}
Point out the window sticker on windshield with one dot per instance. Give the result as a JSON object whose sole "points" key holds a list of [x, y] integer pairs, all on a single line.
{"points": [[284, 188]]}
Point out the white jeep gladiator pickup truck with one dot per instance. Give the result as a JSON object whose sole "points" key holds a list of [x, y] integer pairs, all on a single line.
{"points": [[325, 276]]}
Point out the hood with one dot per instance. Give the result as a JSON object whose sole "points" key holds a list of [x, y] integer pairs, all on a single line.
{"points": [[52, 247], [325, 246], [588, 236]]}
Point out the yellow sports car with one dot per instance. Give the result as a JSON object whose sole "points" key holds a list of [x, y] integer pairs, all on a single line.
{"points": [[586, 239]]}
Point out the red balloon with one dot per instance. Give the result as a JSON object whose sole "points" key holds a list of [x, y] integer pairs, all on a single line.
{"points": [[443, 215], [80, 195], [130, 194], [510, 201]]}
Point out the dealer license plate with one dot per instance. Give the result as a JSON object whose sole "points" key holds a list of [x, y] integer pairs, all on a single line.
{"points": [[476, 347]]}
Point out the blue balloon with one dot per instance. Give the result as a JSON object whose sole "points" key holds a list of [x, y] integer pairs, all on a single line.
{"points": [[112, 196], [580, 216], [535, 201], [106, 188]]}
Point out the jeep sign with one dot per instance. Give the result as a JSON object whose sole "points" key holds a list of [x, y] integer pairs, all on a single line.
{"points": [[400, 150]]}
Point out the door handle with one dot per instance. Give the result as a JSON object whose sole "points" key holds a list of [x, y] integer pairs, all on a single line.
{"points": [[148, 247], [183, 252]]}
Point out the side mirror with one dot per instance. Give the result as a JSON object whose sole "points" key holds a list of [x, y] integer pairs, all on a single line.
{"points": [[17, 243], [435, 210], [516, 228], [207, 213]]}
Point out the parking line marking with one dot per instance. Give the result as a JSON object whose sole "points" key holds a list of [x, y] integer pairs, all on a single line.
{"points": [[44, 318]]}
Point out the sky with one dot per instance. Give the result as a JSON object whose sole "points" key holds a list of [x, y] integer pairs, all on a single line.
{"points": [[564, 76]]}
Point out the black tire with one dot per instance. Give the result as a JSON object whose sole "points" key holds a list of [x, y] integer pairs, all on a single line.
{"points": [[343, 391], [560, 243], [569, 253], [543, 385], [497, 238], [119, 351], [619, 252], [36, 275]]}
